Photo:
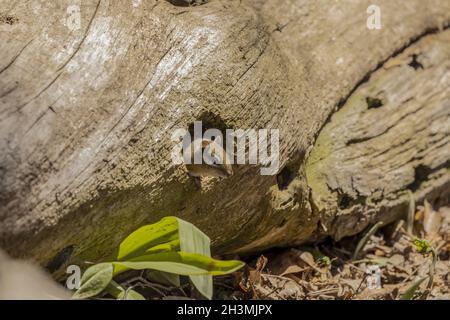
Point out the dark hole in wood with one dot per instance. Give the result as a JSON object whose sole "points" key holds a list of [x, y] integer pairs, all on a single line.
{"points": [[285, 177], [415, 64], [421, 173], [344, 201], [60, 259], [373, 103], [209, 120]]}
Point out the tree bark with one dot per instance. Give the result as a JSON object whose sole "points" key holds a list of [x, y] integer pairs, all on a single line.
{"points": [[86, 119]]}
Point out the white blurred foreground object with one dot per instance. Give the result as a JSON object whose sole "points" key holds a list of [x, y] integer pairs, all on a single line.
{"points": [[20, 280]]}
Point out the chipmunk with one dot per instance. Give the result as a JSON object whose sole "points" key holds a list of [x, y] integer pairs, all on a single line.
{"points": [[220, 163]]}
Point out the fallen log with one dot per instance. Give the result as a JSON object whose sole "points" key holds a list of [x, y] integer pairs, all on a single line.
{"points": [[391, 136], [87, 112]]}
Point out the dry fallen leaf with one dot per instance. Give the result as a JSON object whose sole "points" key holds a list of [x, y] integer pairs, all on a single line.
{"points": [[295, 274], [431, 220]]}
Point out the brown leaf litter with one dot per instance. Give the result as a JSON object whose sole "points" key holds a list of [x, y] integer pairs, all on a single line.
{"points": [[327, 271]]}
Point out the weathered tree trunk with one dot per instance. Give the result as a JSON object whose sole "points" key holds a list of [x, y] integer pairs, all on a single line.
{"points": [[86, 118]]}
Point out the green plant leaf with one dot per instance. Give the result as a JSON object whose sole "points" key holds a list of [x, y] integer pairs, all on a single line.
{"points": [[181, 263], [95, 279], [423, 246], [320, 258], [173, 245], [117, 291], [409, 294], [130, 294], [145, 249], [147, 237], [165, 278], [193, 240]]}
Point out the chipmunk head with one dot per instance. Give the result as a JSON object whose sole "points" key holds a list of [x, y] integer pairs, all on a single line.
{"points": [[218, 157], [216, 162]]}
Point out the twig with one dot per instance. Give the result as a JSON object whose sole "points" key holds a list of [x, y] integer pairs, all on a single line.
{"points": [[142, 282], [360, 284], [323, 291]]}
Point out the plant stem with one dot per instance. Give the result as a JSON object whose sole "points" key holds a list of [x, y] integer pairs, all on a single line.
{"points": [[365, 238], [411, 213]]}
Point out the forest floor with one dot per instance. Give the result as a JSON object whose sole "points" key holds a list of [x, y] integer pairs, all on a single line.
{"points": [[390, 264], [393, 264]]}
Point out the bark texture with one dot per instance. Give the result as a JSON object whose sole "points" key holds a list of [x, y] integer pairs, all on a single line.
{"points": [[86, 118], [391, 136]]}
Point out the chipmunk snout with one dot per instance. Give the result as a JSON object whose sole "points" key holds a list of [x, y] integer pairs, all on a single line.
{"points": [[226, 171], [219, 162]]}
